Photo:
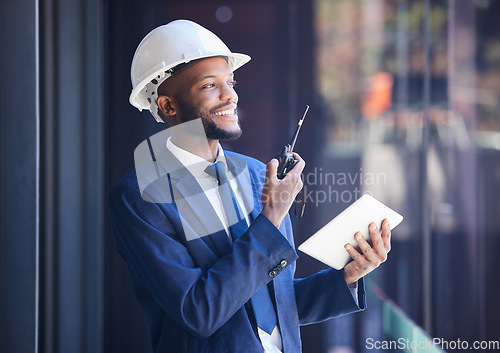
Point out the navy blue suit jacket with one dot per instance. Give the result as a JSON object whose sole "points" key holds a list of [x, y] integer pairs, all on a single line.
{"points": [[195, 291]]}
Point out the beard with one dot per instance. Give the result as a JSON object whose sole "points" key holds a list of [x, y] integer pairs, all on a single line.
{"points": [[189, 112]]}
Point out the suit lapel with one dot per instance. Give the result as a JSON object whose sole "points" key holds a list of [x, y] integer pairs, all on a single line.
{"points": [[199, 219]]}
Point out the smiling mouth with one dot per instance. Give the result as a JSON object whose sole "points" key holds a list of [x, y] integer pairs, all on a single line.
{"points": [[225, 112]]}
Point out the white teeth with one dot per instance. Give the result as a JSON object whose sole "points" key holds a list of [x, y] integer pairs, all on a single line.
{"points": [[224, 112]]}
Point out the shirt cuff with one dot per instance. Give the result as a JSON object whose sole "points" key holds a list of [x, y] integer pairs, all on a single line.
{"points": [[353, 287]]}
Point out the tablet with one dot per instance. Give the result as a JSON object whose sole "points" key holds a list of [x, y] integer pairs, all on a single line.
{"points": [[327, 244]]}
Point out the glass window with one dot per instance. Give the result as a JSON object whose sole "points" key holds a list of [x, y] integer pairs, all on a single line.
{"points": [[410, 92]]}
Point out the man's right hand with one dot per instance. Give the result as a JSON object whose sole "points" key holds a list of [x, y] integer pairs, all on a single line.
{"points": [[278, 195]]}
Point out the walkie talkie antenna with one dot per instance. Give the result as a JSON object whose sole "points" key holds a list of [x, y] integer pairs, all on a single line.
{"points": [[286, 159], [298, 128]]}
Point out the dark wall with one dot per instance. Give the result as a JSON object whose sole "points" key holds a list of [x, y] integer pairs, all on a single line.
{"points": [[19, 189]]}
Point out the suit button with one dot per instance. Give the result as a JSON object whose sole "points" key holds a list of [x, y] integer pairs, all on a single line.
{"points": [[273, 273], [283, 263]]}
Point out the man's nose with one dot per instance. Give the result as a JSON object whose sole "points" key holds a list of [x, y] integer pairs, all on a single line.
{"points": [[228, 93]]}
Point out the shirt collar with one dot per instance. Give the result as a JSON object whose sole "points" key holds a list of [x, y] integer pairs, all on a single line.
{"points": [[196, 165]]}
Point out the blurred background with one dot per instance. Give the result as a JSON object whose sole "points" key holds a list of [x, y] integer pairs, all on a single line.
{"points": [[404, 98]]}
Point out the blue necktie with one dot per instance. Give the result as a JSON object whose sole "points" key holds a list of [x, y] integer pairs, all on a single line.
{"points": [[261, 301]]}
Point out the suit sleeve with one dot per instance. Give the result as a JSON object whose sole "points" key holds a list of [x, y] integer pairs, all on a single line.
{"points": [[199, 301], [325, 295]]}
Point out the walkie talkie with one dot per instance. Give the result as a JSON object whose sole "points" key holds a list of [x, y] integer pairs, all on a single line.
{"points": [[285, 158]]}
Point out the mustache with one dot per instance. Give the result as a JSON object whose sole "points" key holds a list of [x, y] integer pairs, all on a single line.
{"points": [[213, 110]]}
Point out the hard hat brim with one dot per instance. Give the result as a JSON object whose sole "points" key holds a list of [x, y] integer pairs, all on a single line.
{"points": [[235, 61]]}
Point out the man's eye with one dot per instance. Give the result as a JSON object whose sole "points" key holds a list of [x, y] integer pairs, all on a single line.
{"points": [[232, 83], [209, 85]]}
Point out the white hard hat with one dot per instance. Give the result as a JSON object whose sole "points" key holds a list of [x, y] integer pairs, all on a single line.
{"points": [[166, 47]]}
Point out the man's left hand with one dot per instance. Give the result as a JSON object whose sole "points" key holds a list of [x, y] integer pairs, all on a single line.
{"points": [[371, 256]]}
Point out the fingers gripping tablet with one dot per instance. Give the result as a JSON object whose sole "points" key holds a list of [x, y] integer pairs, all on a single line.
{"points": [[327, 244]]}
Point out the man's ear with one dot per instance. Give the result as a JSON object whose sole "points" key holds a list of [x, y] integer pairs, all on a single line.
{"points": [[166, 105]]}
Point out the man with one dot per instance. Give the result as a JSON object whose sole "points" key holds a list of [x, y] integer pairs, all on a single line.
{"points": [[206, 233]]}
